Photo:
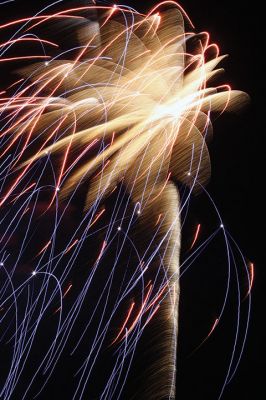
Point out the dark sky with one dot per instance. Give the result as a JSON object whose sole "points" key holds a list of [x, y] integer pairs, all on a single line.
{"points": [[237, 173]]}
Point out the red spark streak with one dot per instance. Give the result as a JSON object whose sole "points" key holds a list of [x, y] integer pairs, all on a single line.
{"points": [[251, 279], [171, 3], [113, 136], [28, 40], [207, 337], [44, 248], [101, 251], [213, 327], [23, 58], [81, 155], [196, 236], [152, 314], [158, 220], [113, 190], [56, 311], [162, 189], [134, 323], [124, 324], [67, 290], [157, 297], [27, 209], [97, 217], [15, 83], [24, 191], [102, 169], [70, 247]]}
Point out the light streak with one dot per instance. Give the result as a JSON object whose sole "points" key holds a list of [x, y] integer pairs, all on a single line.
{"points": [[158, 219], [207, 337], [71, 246], [125, 322], [67, 290], [195, 237], [24, 191], [97, 217], [101, 251], [251, 279], [24, 39], [23, 58], [44, 248], [139, 315]]}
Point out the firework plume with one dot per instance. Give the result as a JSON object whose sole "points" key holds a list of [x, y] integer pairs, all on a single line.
{"points": [[126, 101]]}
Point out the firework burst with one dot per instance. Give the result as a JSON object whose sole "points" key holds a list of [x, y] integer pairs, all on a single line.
{"points": [[122, 100]]}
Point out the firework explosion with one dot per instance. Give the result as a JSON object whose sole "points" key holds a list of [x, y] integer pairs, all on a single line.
{"points": [[111, 107]]}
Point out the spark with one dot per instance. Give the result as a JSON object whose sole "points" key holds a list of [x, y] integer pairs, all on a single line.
{"points": [[139, 315], [196, 236], [101, 251], [23, 58], [24, 39], [125, 322], [97, 217], [163, 187], [67, 290], [158, 219], [251, 279], [207, 337], [71, 246], [44, 248], [152, 315], [24, 191]]}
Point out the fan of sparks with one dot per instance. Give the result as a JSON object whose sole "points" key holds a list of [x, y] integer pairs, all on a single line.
{"points": [[120, 100]]}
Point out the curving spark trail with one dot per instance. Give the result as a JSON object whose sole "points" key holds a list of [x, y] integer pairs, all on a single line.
{"points": [[115, 109]]}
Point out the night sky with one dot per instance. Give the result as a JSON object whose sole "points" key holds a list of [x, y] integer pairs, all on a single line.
{"points": [[237, 179]]}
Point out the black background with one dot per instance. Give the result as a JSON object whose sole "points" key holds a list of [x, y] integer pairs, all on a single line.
{"points": [[237, 154]]}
